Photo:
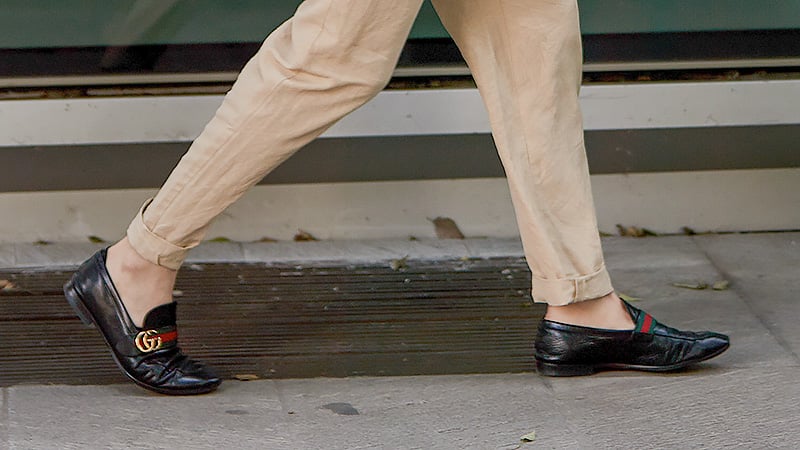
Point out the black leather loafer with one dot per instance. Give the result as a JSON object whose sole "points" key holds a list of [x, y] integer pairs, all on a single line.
{"points": [[149, 356], [569, 350]]}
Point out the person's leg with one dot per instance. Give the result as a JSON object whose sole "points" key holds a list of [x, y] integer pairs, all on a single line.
{"points": [[328, 60], [526, 58]]}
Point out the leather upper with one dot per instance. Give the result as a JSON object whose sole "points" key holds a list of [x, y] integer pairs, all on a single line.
{"points": [[150, 355], [659, 346]]}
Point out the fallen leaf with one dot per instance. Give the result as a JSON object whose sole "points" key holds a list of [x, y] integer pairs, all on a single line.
{"points": [[629, 231], [267, 239], [41, 242], [246, 377], [219, 239], [399, 264], [96, 240], [688, 231], [530, 437], [8, 287], [649, 232], [627, 298], [633, 231], [699, 286], [446, 228], [304, 236], [721, 285]]}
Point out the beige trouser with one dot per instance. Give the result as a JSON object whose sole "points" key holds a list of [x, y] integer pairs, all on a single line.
{"points": [[334, 55]]}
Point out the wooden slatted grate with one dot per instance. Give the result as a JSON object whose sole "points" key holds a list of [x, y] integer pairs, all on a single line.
{"points": [[433, 317]]}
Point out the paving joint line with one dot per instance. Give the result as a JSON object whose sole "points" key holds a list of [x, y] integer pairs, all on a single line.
{"points": [[5, 417], [560, 407], [281, 397]]}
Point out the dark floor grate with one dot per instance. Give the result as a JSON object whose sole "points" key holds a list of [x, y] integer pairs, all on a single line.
{"points": [[434, 317]]}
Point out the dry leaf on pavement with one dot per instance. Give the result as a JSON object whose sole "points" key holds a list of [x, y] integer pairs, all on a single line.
{"points": [[698, 286], [304, 236], [632, 231], [721, 285], [246, 377], [530, 437], [399, 264], [627, 298], [446, 228]]}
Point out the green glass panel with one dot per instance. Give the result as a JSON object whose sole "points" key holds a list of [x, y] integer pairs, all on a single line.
{"points": [[67, 23], [653, 16]]}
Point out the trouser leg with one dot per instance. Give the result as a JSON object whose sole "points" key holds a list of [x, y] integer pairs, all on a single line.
{"points": [[526, 58], [326, 61]]}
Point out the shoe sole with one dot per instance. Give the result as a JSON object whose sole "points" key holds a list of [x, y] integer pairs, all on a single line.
{"points": [[575, 370], [78, 304]]}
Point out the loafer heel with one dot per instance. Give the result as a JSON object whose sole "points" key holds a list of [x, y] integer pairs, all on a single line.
{"points": [[76, 302], [563, 370]]}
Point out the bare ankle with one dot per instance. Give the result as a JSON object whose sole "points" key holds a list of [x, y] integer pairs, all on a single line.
{"points": [[123, 256], [604, 312], [140, 284]]}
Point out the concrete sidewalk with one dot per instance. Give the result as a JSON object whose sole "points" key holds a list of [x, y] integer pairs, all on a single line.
{"points": [[746, 398]]}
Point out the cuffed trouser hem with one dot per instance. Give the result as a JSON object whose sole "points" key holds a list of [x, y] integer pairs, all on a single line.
{"points": [[153, 248], [561, 292]]}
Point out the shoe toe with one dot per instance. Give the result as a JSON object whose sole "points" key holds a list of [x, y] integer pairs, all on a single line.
{"points": [[708, 345], [195, 383], [193, 378]]}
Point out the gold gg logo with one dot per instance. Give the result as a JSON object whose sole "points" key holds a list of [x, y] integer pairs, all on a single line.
{"points": [[146, 343]]}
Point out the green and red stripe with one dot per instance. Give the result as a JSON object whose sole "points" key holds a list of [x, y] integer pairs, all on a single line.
{"points": [[645, 323], [168, 336]]}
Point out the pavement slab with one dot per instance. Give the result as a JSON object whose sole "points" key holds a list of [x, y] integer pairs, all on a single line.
{"points": [[752, 344], [7, 255], [723, 408], [494, 248], [316, 251], [425, 249], [745, 408], [647, 269], [765, 271], [241, 415], [4, 443], [55, 255], [216, 252], [428, 412], [652, 253]]}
